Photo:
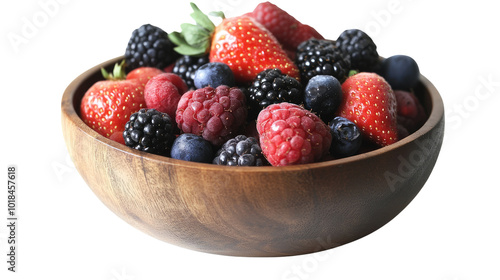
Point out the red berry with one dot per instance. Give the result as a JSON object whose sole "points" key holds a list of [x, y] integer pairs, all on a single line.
{"points": [[117, 137], [107, 105], [370, 103], [289, 31], [290, 135], [214, 113], [406, 104], [411, 114], [143, 74], [249, 48], [161, 94], [241, 42], [169, 68], [177, 81]]}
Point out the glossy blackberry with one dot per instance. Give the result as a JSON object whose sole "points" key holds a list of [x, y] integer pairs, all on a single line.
{"points": [[149, 130], [186, 66], [321, 57], [271, 87], [240, 151], [360, 48], [149, 46]]}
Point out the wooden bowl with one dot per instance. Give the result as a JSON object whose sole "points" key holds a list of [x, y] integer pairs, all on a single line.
{"points": [[253, 211]]}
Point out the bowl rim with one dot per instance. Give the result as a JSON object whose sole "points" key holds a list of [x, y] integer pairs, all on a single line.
{"points": [[69, 112]]}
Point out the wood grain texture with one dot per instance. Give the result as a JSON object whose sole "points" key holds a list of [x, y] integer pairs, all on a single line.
{"points": [[253, 211]]}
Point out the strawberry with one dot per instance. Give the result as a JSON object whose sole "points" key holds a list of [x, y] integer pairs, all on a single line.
{"points": [[289, 31], [240, 42], [144, 74], [369, 102], [107, 105]]}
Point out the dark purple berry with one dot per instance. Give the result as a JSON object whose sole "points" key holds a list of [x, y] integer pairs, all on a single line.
{"points": [[346, 137], [400, 71], [192, 147], [323, 95], [214, 74], [240, 151]]}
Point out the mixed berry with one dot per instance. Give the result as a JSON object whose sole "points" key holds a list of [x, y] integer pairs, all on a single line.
{"points": [[257, 89], [240, 151], [270, 87], [149, 130]]}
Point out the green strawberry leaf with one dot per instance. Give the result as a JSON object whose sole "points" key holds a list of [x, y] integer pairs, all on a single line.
{"points": [[217, 14], [194, 34], [176, 38], [188, 50], [194, 39], [117, 74], [201, 19]]}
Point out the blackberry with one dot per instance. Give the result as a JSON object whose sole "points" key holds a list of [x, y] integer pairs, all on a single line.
{"points": [[240, 151], [186, 66], [149, 46], [321, 57], [271, 86], [151, 131], [360, 48]]}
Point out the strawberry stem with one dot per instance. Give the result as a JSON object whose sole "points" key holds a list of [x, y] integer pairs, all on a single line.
{"points": [[352, 73], [117, 74]]}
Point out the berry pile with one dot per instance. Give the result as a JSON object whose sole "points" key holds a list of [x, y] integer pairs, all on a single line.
{"points": [[257, 89]]}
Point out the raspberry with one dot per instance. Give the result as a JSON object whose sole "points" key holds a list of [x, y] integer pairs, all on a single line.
{"points": [[214, 113], [290, 134], [163, 92]]}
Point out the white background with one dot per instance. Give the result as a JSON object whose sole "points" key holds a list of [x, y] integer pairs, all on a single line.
{"points": [[449, 232]]}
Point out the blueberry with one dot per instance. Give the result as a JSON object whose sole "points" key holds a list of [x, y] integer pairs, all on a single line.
{"points": [[214, 74], [323, 95], [400, 71], [192, 147], [346, 137]]}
